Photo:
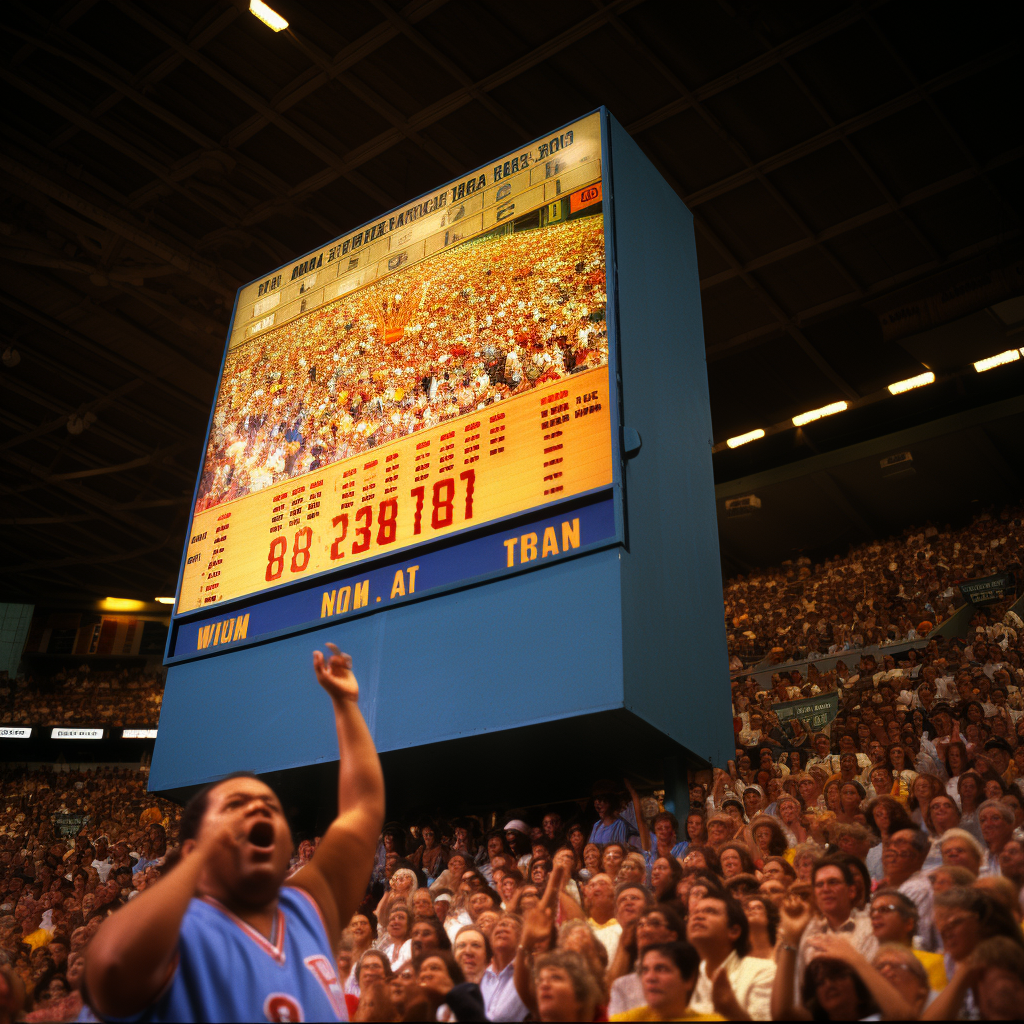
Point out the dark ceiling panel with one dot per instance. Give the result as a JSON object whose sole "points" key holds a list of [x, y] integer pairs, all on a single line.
{"points": [[840, 160]]}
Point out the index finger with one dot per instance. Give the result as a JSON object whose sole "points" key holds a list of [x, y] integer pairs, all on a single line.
{"points": [[332, 647]]}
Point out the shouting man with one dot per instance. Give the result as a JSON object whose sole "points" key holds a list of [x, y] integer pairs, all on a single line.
{"points": [[220, 937]]}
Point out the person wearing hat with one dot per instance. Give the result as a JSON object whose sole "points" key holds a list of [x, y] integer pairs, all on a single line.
{"points": [[517, 835], [998, 754]]}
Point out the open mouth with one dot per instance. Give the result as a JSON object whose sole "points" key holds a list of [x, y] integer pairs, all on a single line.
{"points": [[261, 834]]}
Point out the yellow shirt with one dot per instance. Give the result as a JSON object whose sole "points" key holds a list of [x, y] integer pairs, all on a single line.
{"points": [[935, 965], [40, 937], [646, 1013], [150, 816]]}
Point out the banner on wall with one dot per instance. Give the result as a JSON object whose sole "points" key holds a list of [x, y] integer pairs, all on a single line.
{"points": [[813, 713]]}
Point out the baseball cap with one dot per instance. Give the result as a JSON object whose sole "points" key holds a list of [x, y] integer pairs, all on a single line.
{"points": [[517, 825]]}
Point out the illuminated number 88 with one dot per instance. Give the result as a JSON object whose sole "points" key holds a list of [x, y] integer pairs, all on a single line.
{"points": [[275, 560]]}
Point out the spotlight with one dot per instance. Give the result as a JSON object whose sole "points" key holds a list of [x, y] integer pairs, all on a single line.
{"points": [[751, 435], [911, 382], [1009, 356], [816, 414], [267, 15]]}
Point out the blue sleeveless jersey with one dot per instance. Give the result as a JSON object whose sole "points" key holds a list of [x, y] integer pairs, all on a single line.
{"points": [[227, 971]]}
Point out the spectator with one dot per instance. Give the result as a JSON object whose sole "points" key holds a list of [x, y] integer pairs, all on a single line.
{"points": [[996, 821], [599, 900], [961, 849], [566, 989], [668, 975], [989, 985], [718, 930], [834, 893], [903, 859], [894, 920], [655, 926], [497, 984]]}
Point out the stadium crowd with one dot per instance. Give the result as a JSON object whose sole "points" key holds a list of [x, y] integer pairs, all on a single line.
{"points": [[74, 846], [484, 321], [118, 699], [880, 592], [871, 870]]}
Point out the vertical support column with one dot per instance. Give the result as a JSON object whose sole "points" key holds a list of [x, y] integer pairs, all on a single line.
{"points": [[677, 789]]}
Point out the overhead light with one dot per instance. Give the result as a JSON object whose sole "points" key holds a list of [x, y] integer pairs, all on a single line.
{"points": [[816, 414], [1009, 356], [164, 600], [267, 15], [122, 604], [751, 435], [911, 382]]}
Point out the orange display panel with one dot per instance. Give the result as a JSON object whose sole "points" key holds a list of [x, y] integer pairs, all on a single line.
{"points": [[441, 369]]}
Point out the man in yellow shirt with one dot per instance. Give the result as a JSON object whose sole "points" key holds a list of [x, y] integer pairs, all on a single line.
{"points": [[894, 918], [668, 974]]}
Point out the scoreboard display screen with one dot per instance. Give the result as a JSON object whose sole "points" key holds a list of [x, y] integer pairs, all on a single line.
{"points": [[434, 371]]}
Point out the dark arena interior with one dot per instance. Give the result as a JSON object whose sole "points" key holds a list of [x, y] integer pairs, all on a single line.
{"points": [[823, 196]]}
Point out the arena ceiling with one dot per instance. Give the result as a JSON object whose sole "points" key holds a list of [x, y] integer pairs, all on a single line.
{"points": [[853, 170]]}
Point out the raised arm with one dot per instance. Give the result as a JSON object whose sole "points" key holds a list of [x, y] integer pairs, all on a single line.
{"points": [[891, 1004], [536, 929], [336, 877], [794, 917], [641, 822], [555, 892]]}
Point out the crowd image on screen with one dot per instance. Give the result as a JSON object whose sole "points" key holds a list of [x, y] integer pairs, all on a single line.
{"points": [[871, 867], [489, 319]]}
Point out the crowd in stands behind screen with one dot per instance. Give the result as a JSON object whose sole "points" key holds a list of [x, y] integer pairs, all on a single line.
{"points": [[875, 867], [486, 321]]}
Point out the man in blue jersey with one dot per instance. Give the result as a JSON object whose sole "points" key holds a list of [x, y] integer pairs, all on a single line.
{"points": [[220, 937]]}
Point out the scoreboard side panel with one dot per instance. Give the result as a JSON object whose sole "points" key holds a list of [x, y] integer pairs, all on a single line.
{"points": [[671, 572], [542, 646]]}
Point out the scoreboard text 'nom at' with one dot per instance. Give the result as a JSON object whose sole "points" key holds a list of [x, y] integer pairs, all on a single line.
{"points": [[443, 368]]}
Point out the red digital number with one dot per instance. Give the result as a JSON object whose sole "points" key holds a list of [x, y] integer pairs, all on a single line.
{"points": [[387, 521], [470, 477], [278, 547], [364, 516], [336, 551], [300, 550], [417, 519], [444, 508]]}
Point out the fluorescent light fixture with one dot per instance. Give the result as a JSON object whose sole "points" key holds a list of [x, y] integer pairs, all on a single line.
{"points": [[76, 734], [138, 734], [816, 414], [911, 382], [122, 604], [750, 435], [1009, 356], [267, 15], [164, 600]]}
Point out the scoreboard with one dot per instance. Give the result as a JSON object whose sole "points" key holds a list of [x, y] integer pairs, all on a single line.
{"points": [[468, 441], [439, 370]]}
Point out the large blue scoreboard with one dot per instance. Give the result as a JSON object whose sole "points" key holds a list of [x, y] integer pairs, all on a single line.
{"points": [[470, 443]]}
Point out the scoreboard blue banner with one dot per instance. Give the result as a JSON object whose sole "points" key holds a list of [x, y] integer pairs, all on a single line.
{"points": [[342, 596]]}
